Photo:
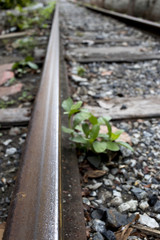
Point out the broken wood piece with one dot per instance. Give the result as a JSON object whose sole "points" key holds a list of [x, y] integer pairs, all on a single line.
{"points": [[14, 116], [147, 230], [111, 54], [13, 35], [135, 107]]}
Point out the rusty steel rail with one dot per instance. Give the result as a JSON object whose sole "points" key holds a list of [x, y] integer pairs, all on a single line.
{"points": [[34, 213], [147, 25]]}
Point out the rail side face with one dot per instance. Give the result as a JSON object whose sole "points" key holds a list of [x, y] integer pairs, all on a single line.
{"points": [[34, 213]]}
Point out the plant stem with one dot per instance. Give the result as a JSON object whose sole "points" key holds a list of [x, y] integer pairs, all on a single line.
{"points": [[69, 122]]}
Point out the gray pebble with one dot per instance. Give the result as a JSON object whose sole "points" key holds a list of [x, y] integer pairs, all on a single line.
{"points": [[157, 207], [148, 221]]}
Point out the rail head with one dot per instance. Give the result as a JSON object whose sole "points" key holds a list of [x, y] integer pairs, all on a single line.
{"points": [[34, 212]]}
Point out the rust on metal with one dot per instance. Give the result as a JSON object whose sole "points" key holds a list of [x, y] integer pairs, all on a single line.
{"points": [[151, 26], [34, 211]]}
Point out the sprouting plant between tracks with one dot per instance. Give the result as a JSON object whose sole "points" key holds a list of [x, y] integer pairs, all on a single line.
{"points": [[22, 67], [84, 129]]}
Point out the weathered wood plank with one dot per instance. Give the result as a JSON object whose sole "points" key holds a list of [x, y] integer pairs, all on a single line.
{"points": [[84, 39], [13, 35], [128, 108], [111, 54], [15, 116]]}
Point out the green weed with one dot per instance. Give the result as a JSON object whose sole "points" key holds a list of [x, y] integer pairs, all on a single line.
{"points": [[84, 129], [24, 66]]}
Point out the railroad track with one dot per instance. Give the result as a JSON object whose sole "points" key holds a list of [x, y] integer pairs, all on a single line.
{"points": [[47, 202]]}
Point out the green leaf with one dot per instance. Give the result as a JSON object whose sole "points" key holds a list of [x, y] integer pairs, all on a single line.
{"points": [[67, 104], [29, 59], [80, 117], [79, 128], [32, 65], [101, 120], [104, 136], [126, 145], [85, 110], [80, 71], [79, 139], [112, 146], [86, 129], [116, 135], [94, 132], [93, 119], [108, 126], [67, 130], [75, 108], [15, 66], [99, 147]]}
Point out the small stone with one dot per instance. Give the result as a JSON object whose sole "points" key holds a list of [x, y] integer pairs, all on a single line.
{"points": [[126, 152], [93, 194], [126, 187], [154, 186], [157, 207], [95, 161], [104, 168], [118, 188], [21, 141], [116, 194], [158, 217], [7, 142], [124, 207], [133, 163], [116, 219], [144, 205], [108, 182], [109, 235], [111, 177], [116, 201], [95, 186], [14, 131], [99, 201], [105, 195], [123, 107], [148, 177], [99, 225], [128, 206], [11, 151], [148, 221], [99, 214], [91, 93], [135, 141], [152, 200], [95, 204], [114, 171], [98, 236], [139, 193], [78, 79], [86, 201]]}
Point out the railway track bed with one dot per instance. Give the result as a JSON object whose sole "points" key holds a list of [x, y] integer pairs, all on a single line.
{"points": [[117, 77], [114, 69]]}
